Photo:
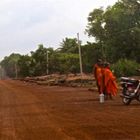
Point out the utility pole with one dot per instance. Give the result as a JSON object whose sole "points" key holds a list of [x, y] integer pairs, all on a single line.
{"points": [[80, 58], [47, 62], [0, 72]]}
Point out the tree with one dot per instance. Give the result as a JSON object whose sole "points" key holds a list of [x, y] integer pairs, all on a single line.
{"points": [[90, 53], [69, 45], [67, 63], [39, 62], [10, 65], [117, 30], [24, 64], [95, 24]]}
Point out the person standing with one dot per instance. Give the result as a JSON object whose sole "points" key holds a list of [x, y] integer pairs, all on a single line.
{"points": [[97, 71], [110, 84]]}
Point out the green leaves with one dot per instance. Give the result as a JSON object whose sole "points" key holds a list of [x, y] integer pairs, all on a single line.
{"points": [[125, 67], [95, 21], [69, 45], [117, 39], [118, 29], [10, 65]]}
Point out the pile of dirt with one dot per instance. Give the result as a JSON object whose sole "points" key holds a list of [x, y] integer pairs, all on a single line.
{"points": [[74, 80]]}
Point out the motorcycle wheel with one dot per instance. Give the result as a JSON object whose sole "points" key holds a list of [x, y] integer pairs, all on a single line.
{"points": [[126, 101], [138, 98]]}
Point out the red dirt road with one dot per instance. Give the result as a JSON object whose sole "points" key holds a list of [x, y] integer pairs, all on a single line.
{"points": [[32, 112]]}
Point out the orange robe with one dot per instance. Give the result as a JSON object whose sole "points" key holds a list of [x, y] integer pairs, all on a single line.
{"points": [[98, 77], [110, 82], [103, 80]]}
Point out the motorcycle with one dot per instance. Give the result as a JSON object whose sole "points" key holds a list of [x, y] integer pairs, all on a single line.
{"points": [[130, 90]]}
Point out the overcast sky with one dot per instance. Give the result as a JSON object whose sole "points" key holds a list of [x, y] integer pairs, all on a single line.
{"points": [[26, 23]]}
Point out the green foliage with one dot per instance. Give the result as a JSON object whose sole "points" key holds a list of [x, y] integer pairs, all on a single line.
{"points": [[9, 64], [39, 62], [117, 34], [117, 30], [69, 45], [24, 63], [125, 67], [90, 53], [95, 22], [66, 63]]}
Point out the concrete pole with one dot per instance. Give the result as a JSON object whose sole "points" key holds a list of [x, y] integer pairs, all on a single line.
{"points": [[0, 72], [47, 62], [80, 58]]}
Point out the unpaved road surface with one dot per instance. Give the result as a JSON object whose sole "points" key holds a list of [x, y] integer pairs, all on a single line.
{"points": [[33, 112]]}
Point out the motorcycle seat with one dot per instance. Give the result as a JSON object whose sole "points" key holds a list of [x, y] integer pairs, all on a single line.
{"points": [[130, 81]]}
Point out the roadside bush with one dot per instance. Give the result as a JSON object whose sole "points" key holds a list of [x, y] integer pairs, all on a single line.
{"points": [[125, 67]]}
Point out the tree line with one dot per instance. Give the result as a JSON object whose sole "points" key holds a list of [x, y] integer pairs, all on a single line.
{"points": [[116, 30]]}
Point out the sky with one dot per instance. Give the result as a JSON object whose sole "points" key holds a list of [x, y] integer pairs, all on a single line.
{"points": [[24, 24]]}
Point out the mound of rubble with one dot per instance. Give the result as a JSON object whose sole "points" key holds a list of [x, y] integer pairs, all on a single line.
{"points": [[74, 80]]}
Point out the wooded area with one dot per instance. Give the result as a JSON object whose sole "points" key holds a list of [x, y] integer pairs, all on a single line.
{"points": [[117, 39]]}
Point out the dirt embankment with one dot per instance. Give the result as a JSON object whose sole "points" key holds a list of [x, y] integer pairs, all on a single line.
{"points": [[73, 80]]}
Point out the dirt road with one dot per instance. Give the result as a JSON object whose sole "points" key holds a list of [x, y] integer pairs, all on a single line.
{"points": [[32, 112]]}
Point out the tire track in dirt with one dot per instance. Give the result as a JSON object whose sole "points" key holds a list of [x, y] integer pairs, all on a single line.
{"points": [[57, 113], [7, 129], [23, 118]]}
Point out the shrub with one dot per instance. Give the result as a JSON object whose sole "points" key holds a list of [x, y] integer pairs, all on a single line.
{"points": [[125, 67]]}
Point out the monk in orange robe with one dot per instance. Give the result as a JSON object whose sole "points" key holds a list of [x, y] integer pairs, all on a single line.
{"points": [[98, 76], [110, 82]]}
